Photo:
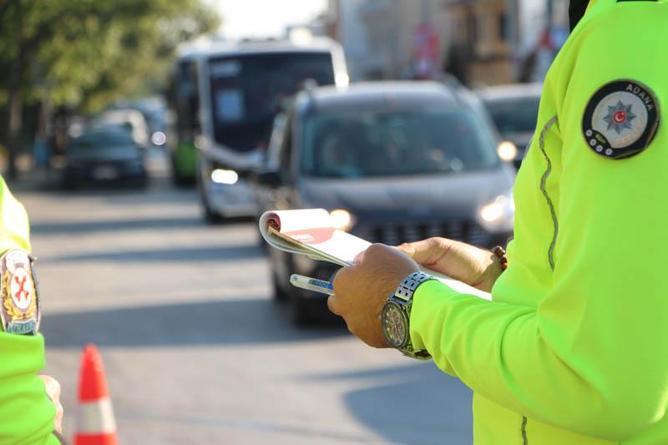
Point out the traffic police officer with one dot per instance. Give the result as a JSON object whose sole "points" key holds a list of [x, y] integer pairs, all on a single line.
{"points": [[30, 410], [573, 347]]}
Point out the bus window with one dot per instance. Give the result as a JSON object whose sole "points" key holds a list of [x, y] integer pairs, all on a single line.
{"points": [[247, 90]]}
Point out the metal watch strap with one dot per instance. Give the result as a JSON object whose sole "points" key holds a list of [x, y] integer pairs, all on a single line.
{"points": [[407, 287], [405, 293]]}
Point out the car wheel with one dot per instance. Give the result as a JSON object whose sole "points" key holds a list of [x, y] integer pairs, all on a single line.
{"points": [[69, 184], [262, 244], [279, 294], [302, 310], [141, 182], [210, 216], [309, 310]]}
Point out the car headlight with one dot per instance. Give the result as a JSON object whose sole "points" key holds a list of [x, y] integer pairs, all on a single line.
{"points": [[507, 151], [342, 219], [498, 216]]}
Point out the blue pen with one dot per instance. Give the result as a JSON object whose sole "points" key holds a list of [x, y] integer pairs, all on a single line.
{"points": [[312, 284]]}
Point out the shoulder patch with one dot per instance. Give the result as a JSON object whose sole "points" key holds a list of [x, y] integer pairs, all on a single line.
{"points": [[621, 119], [19, 302]]}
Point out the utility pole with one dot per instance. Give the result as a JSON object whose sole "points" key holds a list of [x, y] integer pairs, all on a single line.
{"points": [[426, 11], [514, 24]]}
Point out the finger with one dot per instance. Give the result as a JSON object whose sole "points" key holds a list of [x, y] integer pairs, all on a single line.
{"points": [[53, 390], [52, 387], [359, 257], [342, 278], [379, 253], [407, 248], [332, 305], [371, 250], [58, 421]]}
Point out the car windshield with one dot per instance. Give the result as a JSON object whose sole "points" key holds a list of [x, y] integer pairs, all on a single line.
{"points": [[514, 116], [396, 143], [247, 91], [97, 140]]}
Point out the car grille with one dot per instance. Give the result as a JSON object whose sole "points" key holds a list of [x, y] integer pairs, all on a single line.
{"points": [[397, 233]]}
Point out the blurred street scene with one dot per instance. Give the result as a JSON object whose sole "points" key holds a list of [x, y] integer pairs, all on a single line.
{"points": [[146, 137]]}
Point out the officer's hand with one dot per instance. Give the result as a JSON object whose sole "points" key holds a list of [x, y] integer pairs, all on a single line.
{"points": [[476, 267], [360, 291], [53, 392]]}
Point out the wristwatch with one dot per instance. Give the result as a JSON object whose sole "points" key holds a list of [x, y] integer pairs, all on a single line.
{"points": [[395, 316]]}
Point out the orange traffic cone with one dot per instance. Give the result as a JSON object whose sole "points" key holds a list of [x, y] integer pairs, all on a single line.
{"points": [[96, 424]]}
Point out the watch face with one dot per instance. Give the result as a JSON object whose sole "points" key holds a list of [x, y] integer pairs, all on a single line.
{"points": [[395, 325]]}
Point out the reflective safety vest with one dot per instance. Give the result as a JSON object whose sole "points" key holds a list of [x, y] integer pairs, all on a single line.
{"points": [[573, 349], [26, 413]]}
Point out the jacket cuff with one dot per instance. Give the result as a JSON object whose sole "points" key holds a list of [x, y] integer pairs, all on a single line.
{"points": [[427, 298]]}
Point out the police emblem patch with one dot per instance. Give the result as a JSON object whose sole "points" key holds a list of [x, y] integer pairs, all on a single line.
{"points": [[621, 119], [19, 308]]}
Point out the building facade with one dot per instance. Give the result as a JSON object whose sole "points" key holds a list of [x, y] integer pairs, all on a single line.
{"points": [[482, 42]]}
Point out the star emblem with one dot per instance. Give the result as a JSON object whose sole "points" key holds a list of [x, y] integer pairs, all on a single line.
{"points": [[619, 117]]}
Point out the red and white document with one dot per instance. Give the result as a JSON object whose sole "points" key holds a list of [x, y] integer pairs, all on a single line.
{"points": [[310, 232]]}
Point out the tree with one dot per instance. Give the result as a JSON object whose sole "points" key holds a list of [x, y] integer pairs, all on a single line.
{"points": [[82, 53]]}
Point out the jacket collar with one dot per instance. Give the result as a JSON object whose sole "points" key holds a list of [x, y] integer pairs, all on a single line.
{"points": [[576, 11]]}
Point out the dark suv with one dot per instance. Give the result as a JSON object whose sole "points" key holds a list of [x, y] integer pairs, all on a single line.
{"points": [[393, 162]]}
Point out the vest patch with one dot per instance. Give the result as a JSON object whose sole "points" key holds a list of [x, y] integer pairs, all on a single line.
{"points": [[19, 303], [621, 119]]}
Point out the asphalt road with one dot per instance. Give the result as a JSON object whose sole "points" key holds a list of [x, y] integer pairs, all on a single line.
{"points": [[195, 350]]}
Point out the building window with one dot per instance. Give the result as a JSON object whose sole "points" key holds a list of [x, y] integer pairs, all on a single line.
{"points": [[504, 32]]}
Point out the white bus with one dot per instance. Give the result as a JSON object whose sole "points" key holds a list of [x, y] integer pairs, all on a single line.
{"points": [[240, 88]]}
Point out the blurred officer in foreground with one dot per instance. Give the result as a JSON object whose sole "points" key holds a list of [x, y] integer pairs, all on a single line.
{"points": [[573, 348], [30, 409]]}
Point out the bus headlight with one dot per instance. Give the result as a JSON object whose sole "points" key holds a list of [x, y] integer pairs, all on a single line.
{"points": [[498, 216], [342, 219], [221, 176]]}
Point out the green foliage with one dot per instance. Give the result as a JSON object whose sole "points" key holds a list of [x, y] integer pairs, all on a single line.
{"points": [[84, 53]]}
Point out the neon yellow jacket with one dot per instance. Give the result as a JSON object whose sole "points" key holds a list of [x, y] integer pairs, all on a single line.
{"points": [[574, 348], [26, 413]]}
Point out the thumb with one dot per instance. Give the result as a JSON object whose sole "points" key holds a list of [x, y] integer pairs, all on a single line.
{"points": [[452, 258], [427, 252]]}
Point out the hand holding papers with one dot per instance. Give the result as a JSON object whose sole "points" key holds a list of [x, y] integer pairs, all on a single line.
{"points": [[311, 232]]}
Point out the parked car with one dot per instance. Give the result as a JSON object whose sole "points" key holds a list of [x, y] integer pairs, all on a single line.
{"points": [[393, 162], [154, 111], [514, 110], [132, 120], [104, 154]]}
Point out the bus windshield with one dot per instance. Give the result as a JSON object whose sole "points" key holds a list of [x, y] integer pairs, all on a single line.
{"points": [[247, 90]]}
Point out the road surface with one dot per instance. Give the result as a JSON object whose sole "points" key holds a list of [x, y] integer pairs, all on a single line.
{"points": [[195, 350]]}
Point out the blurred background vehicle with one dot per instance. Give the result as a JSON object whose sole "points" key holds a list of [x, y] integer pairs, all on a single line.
{"points": [[104, 154], [514, 110], [132, 120], [225, 98], [154, 110], [393, 162]]}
